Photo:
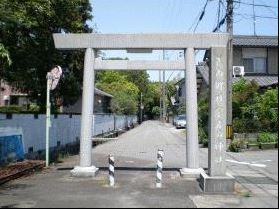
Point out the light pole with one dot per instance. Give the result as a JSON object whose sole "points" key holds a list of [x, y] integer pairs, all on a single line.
{"points": [[141, 108], [52, 80]]}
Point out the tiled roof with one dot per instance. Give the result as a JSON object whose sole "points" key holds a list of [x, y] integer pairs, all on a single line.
{"points": [[102, 93], [255, 41], [262, 80]]}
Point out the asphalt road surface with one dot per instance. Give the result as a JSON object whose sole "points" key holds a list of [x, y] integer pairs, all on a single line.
{"points": [[135, 153]]}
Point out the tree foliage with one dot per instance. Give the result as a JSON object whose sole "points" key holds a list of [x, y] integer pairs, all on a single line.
{"points": [[125, 93], [26, 32], [267, 109], [151, 100], [254, 109], [5, 59]]}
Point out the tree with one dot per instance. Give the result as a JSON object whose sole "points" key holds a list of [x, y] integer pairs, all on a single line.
{"points": [[5, 59], [151, 100], [125, 93], [254, 110], [26, 32], [266, 110], [139, 78]]}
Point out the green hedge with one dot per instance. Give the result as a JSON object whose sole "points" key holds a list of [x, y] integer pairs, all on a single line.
{"points": [[19, 109], [267, 137]]}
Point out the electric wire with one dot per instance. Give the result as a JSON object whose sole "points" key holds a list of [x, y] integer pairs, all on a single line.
{"points": [[250, 16], [271, 10], [199, 17], [255, 5]]}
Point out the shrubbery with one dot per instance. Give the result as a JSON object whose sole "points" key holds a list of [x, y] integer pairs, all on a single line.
{"points": [[32, 108], [267, 137], [253, 109]]}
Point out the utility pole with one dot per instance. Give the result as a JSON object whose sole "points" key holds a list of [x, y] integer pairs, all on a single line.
{"points": [[141, 108], [254, 16], [229, 20], [160, 97], [163, 92]]}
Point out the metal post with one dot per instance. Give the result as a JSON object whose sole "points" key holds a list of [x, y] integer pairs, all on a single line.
{"points": [[48, 116], [111, 170], [159, 168]]}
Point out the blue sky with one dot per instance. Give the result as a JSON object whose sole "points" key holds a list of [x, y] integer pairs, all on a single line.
{"points": [[173, 16]]}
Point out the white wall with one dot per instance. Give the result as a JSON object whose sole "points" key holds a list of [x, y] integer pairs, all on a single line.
{"points": [[64, 128]]}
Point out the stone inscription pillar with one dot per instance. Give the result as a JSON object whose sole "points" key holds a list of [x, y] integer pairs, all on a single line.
{"points": [[218, 104], [217, 180]]}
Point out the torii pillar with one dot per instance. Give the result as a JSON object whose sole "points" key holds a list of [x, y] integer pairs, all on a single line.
{"points": [[86, 168]]}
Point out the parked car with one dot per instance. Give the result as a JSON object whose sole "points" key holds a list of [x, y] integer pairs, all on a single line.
{"points": [[180, 121], [175, 120]]}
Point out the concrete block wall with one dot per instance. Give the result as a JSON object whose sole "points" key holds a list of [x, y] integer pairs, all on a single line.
{"points": [[65, 127]]}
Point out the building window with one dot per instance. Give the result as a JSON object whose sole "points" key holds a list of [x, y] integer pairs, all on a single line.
{"points": [[6, 102], [254, 60], [260, 65], [255, 65], [248, 64]]}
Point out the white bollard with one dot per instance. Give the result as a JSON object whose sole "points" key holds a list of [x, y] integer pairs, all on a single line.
{"points": [[111, 170], [159, 168]]}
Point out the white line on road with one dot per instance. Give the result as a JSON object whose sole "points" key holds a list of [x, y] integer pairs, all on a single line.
{"points": [[261, 161], [246, 163]]}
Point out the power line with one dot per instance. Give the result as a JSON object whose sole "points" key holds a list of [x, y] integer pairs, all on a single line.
{"points": [[244, 15], [256, 5], [219, 13], [250, 16], [219, 24], [199, 17], [271, 10]]}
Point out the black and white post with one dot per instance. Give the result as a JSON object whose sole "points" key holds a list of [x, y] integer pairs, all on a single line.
{"points": [[111, 170], [159, 168]]}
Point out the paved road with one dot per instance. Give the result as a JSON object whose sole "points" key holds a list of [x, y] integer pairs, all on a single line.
{"points": [[135, 154], [256, 172], [143, 142]]}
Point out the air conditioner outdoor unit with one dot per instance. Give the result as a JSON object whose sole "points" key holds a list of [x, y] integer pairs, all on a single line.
{"points": [[238, 71]]}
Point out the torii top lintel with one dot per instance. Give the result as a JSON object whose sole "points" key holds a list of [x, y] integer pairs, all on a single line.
{"points": [[140, 41]]}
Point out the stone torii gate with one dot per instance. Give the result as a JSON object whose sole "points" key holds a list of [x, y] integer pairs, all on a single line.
{"points": [[216, 179]]}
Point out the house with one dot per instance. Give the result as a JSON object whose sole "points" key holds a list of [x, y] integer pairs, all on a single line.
{"points": [[258, 55], [10, 96], [102, 102]]}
